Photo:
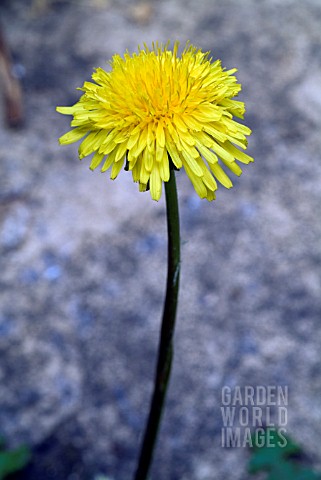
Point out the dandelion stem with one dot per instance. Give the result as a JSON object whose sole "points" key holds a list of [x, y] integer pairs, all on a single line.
{"points": [[165, 350]]}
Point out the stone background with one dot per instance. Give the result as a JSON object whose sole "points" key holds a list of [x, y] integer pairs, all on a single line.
{"points": [[83, 258]]}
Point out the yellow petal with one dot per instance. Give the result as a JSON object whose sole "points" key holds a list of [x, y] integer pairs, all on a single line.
{"points": [[207, 154], [69, 110], [174, 154], [233, 166], [191, 150], [87, 146], [73, 136], [96, 160], [160, 135], [117, 166], [159, 152], [241, 156], [221, 175], [179, 123], [208, 179], [222, 152], [133, 139], [142, 187], [121, 150], [216, 134], [192, 123], [188, 138], [164, 167], [144, 174], [155, 183], [197, 182], [136, 170], [148, 159], [192, 163]]}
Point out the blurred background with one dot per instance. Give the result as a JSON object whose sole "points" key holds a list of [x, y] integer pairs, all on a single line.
{"points": [[83, 259]]}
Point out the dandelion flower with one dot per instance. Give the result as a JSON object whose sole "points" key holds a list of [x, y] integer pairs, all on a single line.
{"points": [[156, 109]]}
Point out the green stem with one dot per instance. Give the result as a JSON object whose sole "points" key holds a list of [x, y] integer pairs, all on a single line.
{"points": [[165, 350]]}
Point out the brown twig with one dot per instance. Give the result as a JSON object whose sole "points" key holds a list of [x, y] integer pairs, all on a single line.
{"points": [[10, 86]]}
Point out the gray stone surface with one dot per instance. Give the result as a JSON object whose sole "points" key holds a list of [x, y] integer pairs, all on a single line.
{"points": [[83, 258]]}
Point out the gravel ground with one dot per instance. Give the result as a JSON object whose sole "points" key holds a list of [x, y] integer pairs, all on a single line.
{"points": [[83, 258]]}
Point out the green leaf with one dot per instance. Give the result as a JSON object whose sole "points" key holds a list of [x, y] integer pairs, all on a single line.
{"points": [[270, 449], [284, 471], [308, 474], [13, 460], [275, 453]]}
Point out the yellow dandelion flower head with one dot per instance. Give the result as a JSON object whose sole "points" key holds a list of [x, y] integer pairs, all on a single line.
{"points": [[155, 110]]}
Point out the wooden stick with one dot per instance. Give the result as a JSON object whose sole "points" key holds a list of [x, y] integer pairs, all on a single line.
{"points": [[11, 87]]}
